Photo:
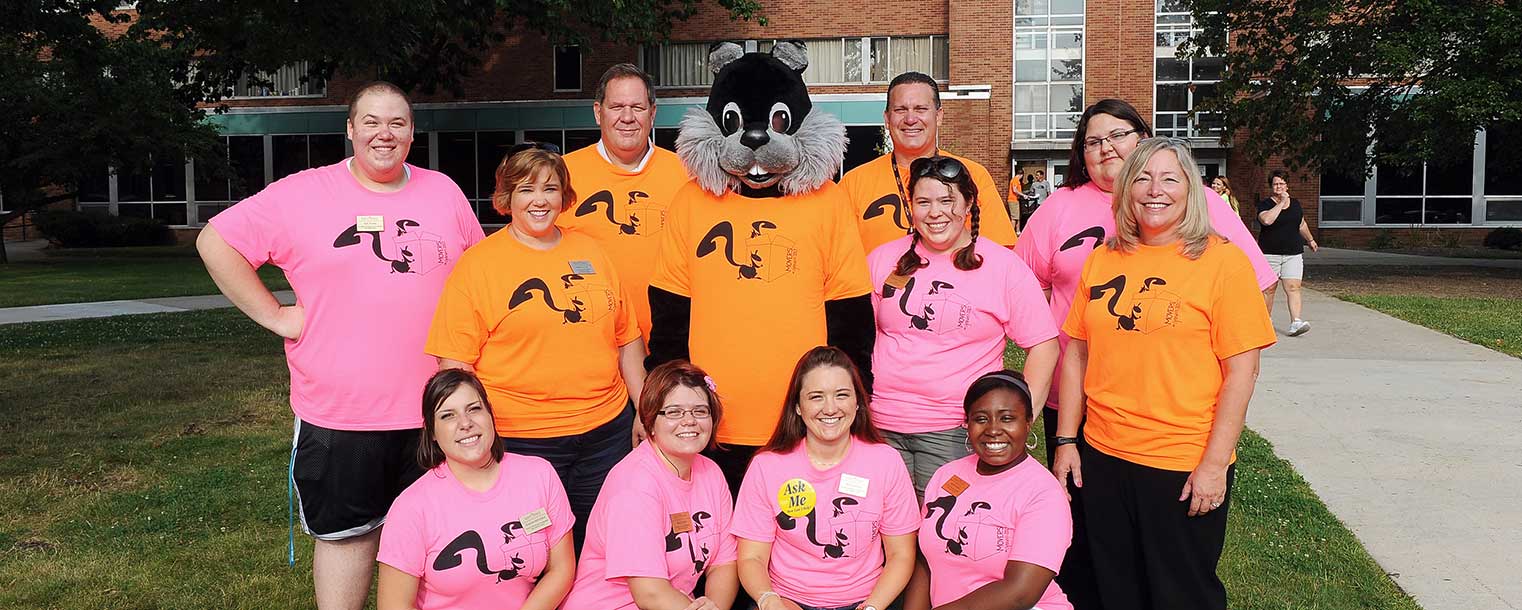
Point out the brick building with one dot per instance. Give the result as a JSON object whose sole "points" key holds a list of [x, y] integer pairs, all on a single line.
{"points": [[1016, 73]]}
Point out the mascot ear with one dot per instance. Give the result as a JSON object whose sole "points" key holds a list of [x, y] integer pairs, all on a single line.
{"points": [[720, 54], [792, 54]]}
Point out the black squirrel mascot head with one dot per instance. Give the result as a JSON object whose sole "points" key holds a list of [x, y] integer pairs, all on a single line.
{"points": [[760, 135]]}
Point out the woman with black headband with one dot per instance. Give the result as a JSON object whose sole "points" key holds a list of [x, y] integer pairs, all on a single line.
{"points": [[996, 523], [946, 303]]}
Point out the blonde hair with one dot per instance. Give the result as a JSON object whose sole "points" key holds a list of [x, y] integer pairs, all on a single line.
{"points": [[525, 166], [1193, 229]]}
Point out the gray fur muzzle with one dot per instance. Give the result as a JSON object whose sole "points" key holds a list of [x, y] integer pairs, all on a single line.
{"points": [[798, 163]]}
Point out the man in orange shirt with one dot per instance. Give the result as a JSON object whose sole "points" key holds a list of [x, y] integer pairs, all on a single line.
{"points": [[877, 188], [625, 182]]}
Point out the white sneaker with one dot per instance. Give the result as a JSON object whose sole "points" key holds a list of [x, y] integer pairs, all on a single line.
{"points": [[1298, 327]]}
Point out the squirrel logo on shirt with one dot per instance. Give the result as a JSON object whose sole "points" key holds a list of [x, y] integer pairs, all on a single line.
{"points": [[976, 533], [1149, 308], [513, 559], [891, 205], [939, 310], [764, 255], [1097, 233], [639, 216], [700, 541], [846, 525], [410, 250], [578, 300]]}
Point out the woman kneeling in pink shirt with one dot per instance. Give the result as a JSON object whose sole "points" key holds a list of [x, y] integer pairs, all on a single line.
{"points": [[662, 518], [826, 515], [482, 528], [996, 523]]}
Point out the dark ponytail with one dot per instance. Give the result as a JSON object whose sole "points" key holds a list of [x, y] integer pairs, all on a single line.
{"points": [[967, 258], [910, 261]]}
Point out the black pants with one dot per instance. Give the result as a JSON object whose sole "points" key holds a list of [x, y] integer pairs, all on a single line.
{"points": [[1076, 578], [582, 461], [1149, 554]]}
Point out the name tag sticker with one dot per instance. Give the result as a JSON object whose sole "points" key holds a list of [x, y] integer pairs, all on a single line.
{"points": [[853, 485], [369, 223], [955, 485], [535, 521], [582, 267], [681, 522]]}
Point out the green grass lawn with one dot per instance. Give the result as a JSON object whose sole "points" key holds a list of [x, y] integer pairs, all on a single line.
{"points": [[1493, 323], [143, 461], [112, 274]]}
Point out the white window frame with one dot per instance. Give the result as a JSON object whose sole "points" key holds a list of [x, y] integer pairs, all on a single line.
{"points": [[1045, 25], [865, 43], [295, 71], [1177, 33]]}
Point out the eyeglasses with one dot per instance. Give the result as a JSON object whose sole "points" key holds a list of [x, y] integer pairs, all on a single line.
{"points": [[944, 167], [1095, 143], [676, 413], [522, 146]]}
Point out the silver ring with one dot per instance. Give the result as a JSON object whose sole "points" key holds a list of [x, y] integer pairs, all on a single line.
{"points": [[1215, 504]]}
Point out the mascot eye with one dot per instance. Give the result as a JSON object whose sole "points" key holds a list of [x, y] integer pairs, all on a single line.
{"points": [[782, 119], [732, 120]]}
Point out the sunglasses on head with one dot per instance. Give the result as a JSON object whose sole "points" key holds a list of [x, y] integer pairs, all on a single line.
{"points": [[522, 146], [946, 168]]}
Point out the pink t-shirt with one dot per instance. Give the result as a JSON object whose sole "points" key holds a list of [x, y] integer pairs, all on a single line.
{"points": [[1020, 514], [825, 525], [1062, 232], [475, 549], [367, 269], [633, 530], [943, 328]]}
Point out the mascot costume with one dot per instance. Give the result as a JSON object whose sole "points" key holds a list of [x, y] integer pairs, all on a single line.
{"points": [[762, 258]]}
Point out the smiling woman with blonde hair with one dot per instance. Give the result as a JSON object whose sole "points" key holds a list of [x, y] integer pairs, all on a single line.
{"points": [[1166, 327]]}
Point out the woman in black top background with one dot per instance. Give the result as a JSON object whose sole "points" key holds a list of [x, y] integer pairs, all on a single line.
{"points": [[1283, 237]]}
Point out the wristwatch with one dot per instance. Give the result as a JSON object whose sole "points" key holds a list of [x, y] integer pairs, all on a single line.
{"points": [[1064, 440]]}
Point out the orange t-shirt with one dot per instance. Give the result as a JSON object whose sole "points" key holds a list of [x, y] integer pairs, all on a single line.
{"points": [[542, 328], [758, 272], [625, 212], [1158, 327], [882, 217]]}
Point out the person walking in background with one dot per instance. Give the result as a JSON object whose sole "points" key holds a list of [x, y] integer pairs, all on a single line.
{"points": [[1222, 186], [1283, 239]]}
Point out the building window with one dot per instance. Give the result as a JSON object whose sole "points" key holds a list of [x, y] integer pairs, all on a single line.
{"points": [[1503, 174], [1182, 83], [158, 193], [832, 61], [1048, 90], [292, 153], [216, 190], [568, 68], [289, 81]]}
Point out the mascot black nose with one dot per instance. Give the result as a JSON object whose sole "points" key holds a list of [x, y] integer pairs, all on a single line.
{"points": [[754, 138]]}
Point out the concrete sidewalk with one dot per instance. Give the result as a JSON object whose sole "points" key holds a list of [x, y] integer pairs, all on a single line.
{"points": [[1338, 256], [1411, 438], [104, 309]]}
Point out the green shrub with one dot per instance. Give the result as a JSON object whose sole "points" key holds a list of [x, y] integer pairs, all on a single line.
{"points": [[1384, 240], [73, 229], [1504, 238]]}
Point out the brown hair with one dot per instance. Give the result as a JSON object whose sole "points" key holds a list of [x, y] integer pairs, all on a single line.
{"points": [[1078, 172], [377, 86], [525, 166], [790, 429], [967, 257], [669, 376], [624, 70], [440, 387]]}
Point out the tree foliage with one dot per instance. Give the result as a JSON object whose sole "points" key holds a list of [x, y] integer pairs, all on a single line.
{"points": [[1321, 82], [84, 86]]}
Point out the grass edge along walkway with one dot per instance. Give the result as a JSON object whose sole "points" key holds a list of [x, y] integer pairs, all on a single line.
{"points": [[1492, 323], [144, 467]]}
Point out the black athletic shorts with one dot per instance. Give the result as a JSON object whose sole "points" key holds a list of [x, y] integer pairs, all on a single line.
{"points": [[346, 480]]}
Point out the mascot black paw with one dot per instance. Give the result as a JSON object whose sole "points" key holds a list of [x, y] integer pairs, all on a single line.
{"points": [[762, 258]]}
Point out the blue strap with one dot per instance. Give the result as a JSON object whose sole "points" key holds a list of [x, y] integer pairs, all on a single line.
{"points": [[290, 509]]}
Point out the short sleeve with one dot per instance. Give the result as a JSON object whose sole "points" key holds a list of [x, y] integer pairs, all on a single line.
{"points": [[672, 272], [636, 535], [1074, 325], [1036, 245], [1265, 205], [403, 542], [845, 261], [556, 504], [1238, 320], [754, 519], [1043, 529], [993, 222], [1029, 318], [253, 227], [901, 509], [1228, 224], [458, 331]]}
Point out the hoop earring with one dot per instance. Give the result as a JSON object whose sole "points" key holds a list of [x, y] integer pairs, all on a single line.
{"points": [[965, 443], [1030, 445]]}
